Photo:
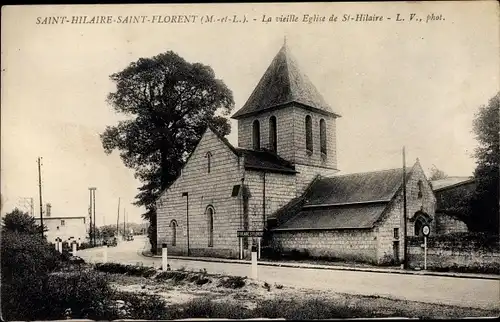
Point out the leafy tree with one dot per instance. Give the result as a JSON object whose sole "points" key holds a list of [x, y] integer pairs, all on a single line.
{"points": [[437, 174], [484, 202], [21, 222], [108, 230], [168, 103]]}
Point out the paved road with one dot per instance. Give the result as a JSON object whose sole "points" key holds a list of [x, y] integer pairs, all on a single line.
{"points": [[466, 292]]}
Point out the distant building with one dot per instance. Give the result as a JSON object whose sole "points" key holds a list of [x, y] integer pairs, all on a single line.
{"points": [[66, 228], [283, 180], [449, 192]]}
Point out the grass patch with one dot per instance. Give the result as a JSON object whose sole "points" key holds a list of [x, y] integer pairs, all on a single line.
{"points": [[176, 276], [139, 306], [206, 308], [290, 309], [132, 270], [233, 282], [314, 308]]}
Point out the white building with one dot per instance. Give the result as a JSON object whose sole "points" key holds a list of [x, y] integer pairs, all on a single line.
{"points": [[66, 228]]}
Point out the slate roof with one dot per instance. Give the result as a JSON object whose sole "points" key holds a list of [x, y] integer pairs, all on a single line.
{"points": [[450, 182], [258, 160], [348, 217], [352, 201], [281, 84], [357, 187], [264, 160]]}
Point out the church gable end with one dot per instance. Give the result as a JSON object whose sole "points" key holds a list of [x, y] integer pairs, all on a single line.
{"points": [[206, 180]]}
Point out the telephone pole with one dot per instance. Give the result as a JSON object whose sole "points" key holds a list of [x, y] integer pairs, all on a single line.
{"points": [[92, 209], [405, 253], [118, 220], [40, 194], [124, 219], [91, 240]]}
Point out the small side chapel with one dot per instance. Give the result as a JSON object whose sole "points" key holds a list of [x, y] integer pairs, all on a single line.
{"points": [[282, 179]]}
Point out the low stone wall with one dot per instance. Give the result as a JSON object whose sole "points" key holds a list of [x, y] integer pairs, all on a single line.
{"points": [[467, 255], [356, 245]]}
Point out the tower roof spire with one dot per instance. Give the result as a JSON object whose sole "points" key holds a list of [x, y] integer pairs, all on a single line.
{"points": [[283, 83]]}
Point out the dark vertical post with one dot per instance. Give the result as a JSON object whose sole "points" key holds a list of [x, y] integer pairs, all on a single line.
{"points": [[118, 220], [93, 201], [186, 194], [91, 235], [123, 223], [40, 194], [264, 201], [240, 239], [405, 259]]}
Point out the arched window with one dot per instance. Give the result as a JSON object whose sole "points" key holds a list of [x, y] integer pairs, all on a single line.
{"points": [[173, 227], [309, 134], [420, 188], [210, 223], [209, 160], [322, 136], [256, 135], [419, 223], [273, 137]]}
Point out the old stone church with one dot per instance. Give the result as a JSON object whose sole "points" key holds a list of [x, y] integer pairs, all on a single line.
{"points": [[283, 179]]}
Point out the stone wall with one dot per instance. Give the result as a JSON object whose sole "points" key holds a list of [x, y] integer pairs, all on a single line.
{"points": [[291, 135], [301, 154], [280, 190], [204, 189], [284, 131], [454, 254], [446, 224], [358, 245]]}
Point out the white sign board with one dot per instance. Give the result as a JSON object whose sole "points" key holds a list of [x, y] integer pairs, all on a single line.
{"points": [[426, 230]]}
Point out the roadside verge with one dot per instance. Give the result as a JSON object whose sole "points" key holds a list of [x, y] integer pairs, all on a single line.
{"points": [[331, 267]]}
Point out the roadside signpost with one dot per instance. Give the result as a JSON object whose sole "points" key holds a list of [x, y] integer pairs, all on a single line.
{"points": [[73, 247], [255, 249], [254, 262], [426, 231], [250, 233], [59, 245]]}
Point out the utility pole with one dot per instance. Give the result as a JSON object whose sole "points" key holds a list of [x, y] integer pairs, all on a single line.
{"points": [[405, 258], [124, 216], [93, 200], [92, 210], [90, 214], [118, 220], [186, 194], [40, 194]]}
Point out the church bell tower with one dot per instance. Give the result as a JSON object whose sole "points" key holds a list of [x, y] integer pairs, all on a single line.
{"points": [[286, 115]]}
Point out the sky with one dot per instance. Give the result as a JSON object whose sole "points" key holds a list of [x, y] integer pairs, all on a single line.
{"points": [[395, 84]]}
